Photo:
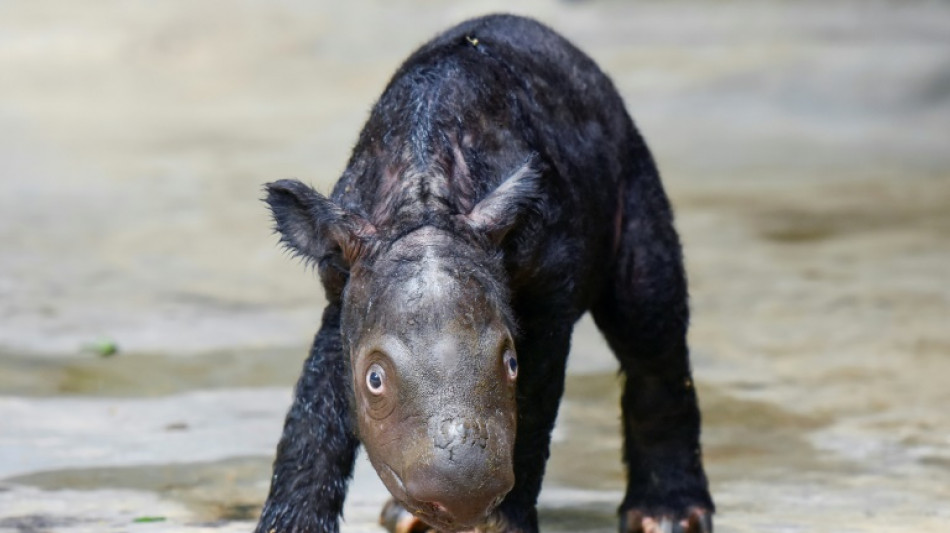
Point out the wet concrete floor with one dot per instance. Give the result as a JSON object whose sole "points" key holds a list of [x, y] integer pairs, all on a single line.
{"points": [[804, 145]]}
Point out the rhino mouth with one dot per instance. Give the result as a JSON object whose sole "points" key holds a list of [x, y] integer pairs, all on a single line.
{"points": [[432, 513]]}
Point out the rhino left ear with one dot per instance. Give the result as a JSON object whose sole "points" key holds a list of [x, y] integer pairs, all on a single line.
{"points": [[497, 213], [313, 226]]}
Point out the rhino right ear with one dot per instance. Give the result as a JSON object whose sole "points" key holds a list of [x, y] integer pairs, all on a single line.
{"points": [[498, 212], [312, 226]]}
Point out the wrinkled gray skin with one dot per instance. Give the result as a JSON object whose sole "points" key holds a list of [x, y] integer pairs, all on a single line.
{"points": [[441, 430]]}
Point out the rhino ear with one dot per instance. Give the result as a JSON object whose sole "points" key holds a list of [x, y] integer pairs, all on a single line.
{"points": [[498, 212], [312, 226]]}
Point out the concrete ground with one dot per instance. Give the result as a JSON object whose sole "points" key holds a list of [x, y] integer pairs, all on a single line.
{"points": [[805, 146]]}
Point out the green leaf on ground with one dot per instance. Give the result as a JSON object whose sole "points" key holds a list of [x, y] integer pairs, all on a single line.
{"points": [[103, 347], [149, 519]]}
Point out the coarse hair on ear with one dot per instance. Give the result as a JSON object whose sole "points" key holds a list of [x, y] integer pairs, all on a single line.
{"points": [[498, 212], [312, 226]]}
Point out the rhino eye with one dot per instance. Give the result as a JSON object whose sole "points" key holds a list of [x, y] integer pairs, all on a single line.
{"points": [[375, 378], [511, 364]]}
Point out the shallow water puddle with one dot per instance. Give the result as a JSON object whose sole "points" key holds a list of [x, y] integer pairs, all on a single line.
{"points": [[135, 375], [230, 489], [740, 436]]}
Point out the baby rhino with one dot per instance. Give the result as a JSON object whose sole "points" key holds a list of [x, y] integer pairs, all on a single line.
{"points": [[498, 191]]}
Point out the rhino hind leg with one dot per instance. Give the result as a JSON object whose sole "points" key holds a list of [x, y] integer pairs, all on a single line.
{"points": [[643, 313]]}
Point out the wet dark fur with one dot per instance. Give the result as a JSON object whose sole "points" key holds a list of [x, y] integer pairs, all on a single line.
{"points": [[464, 112]]}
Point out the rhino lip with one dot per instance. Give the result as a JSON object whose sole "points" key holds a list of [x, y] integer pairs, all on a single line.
{"points": [[399, 484], [433, 513]]}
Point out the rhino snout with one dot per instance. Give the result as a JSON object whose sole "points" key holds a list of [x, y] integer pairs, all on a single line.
{"points": [[467, 474]]}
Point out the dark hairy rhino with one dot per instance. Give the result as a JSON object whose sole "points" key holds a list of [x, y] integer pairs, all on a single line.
{"points": [[498, 191]]}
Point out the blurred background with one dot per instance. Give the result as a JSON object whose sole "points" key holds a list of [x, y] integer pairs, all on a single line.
{"points": [[151, 329]]}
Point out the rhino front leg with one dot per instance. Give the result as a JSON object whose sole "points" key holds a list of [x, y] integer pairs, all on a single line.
{"points": [[317, 449]]}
